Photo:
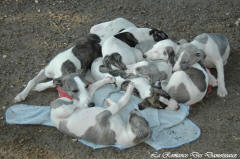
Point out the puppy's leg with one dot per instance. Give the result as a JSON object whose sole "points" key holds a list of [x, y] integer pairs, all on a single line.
{"points": [[221, 91], [126, 97], [132, 68], [211, 79], [43, 86], [171, 103], [62, 108], [115, 107], [93, 87], [31, 84]]}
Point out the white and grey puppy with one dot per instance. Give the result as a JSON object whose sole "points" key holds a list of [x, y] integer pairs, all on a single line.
{"points": [[107, 29], [143, 75], [127, 47], [215, 46], [217, 50], [187, 86], [75, 59], [77, 87], [101, 125], [163, 50]]}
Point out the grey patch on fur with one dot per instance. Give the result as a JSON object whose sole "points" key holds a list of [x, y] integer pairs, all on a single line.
{"points": [[101, 132], [86, 50], [68, 67], [127, 38], [191, 55], [171, 54], [180, 94], [202, 38], [158, 35], [59, 102], [70, 86], [63, 128], [221, 42], [144, 46], [124, 86], [139, 127], [151, 71], [114, 59], [198, 78]]}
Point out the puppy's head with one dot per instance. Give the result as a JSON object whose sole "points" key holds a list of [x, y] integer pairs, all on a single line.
{"points": [[188, 55], [74, 84], [163, 50]]}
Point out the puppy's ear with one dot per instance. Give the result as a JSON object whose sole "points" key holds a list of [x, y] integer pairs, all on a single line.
{"points": [[158, 35], [58, 82], [93, 38], [171, 54], [128, 38], [200, 55]]}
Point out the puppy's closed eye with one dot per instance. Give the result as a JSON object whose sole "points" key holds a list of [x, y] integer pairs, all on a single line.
{"points": [[75, 90]]}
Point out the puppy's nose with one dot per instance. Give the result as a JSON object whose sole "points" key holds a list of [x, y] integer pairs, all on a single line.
{"points": [[91, 104], [144, 56]]}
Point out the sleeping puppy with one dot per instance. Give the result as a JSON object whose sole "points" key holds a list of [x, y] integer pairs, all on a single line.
{"points": [[142, 74], [76, 59], [107, 29], [128, 46]]}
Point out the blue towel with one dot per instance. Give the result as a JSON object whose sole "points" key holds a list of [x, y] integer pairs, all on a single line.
{"points": [[170, 128]]}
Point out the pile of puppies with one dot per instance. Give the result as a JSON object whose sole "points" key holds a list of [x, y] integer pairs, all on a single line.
{"points": [[142, 61]]}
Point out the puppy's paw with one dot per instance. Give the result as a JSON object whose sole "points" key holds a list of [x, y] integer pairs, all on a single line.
{"points": [[108, 102], [222, 91], [213, 82], [131, 85], [111, 79], [39, 87], [172, 105], [20, 97]]}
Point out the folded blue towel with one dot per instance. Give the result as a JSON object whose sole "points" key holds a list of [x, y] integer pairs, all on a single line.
{"points": [[170, 128]]}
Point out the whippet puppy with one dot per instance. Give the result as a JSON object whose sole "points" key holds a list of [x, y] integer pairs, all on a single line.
{"points": [[128, 46], [101, 125], [143, 75], [186, 86], [215, 46], [107, 29], [217, 50], [75, 59], [77, 87]]}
